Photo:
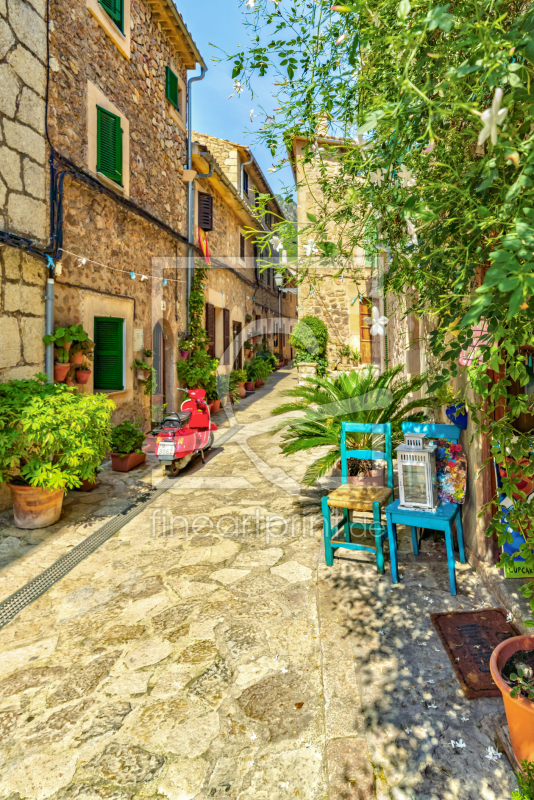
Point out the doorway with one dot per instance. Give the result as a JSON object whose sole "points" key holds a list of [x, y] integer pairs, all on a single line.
{"points": [[158, 346], [237, 359]]}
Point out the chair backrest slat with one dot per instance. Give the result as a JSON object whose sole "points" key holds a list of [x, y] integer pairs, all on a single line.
{"points": [[451, 432], [386, 455]]}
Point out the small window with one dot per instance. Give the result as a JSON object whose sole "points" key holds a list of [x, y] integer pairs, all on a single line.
{"points": [[109, 145], [172, 89], [115, 9], [241, 246], [268, 220], [245, 181], [109, 354], [205, 211]]}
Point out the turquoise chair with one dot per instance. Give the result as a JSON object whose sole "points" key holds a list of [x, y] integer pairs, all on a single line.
{"points": [[359, 498], [440, 520]]}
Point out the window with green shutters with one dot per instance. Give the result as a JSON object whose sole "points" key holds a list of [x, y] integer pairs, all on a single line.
{"points": [[172, 89], [115, 9], [109, 145], [108, 364]]}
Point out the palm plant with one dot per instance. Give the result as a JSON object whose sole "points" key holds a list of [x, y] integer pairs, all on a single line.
{"points": [[352, 397]]}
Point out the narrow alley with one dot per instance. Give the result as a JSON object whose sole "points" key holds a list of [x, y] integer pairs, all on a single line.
{"points": [[206, 651]]}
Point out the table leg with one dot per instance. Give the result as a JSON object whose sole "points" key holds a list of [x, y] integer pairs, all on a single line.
{"points": [[415, 543], [392, 538], [327, 529], [450, 558]]}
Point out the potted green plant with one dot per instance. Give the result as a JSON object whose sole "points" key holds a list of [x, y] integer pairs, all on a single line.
{"points": [[186, 346], [80, 350], [83, 373], [147, 353], [61, 364], [51, 439], [127, 440], [356, 356], [455, 409], [239, 376], [512, 669], [344, 353]]}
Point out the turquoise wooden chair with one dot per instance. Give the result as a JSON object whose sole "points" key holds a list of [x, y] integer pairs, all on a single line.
{"points": [[359, 498], [440, 520]]}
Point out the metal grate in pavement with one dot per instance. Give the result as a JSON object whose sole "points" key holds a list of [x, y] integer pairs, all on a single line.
{"points": [[10, 607]]}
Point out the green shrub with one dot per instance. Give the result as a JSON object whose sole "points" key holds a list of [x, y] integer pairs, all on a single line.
{"points": [[269, 358], [309, 338], [51, 436], [238, 375], [127, 437], [198, 371], [258, 368], [525, 782]]}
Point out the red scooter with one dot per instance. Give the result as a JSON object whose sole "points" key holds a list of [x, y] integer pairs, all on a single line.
{"points": [[185, 434]]}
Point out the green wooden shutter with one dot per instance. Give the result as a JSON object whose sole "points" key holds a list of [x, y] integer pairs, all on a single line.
{"points": [[172, 88], [109, 145], [109, 354], [115, 9]]}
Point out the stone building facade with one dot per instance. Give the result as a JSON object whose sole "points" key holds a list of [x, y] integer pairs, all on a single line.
{"points": [[237, 282]]}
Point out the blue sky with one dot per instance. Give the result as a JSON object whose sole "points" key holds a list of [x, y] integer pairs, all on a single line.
{"points": [[221, 23]]}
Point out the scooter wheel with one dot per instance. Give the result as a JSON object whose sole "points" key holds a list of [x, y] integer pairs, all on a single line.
{"points": [[172, 470]]}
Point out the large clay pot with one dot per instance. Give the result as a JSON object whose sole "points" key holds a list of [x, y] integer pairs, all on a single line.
{"points": [[83, 375], [60, 372], [34, 507], [121, 463], [249, 386], [519, 710], [258, 383], [242, 392]]}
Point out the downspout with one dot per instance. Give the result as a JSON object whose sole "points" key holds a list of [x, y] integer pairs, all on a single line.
{"points": [[190, 194], [49, 321]]}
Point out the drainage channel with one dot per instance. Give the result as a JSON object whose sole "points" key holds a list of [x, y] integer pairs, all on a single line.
{"points": [[10, 607]]}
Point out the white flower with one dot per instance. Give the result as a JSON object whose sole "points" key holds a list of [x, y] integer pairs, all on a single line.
{"points": [[492, 117], [238, 88], [144, 278], [316, 150], [431, 681], [251, 114], [250, 3], [377, 177], [509, 617], [276, 243], [413, 236], [407, 730], [406, 177], [459, 744], [342, 38], [310, 248], [465, 719], [271, 169], [377, 323], [493, 754], [432, 705], [253, 736]]}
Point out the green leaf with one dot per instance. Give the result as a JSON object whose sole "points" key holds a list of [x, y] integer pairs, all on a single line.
{"points": [[311, 217]]}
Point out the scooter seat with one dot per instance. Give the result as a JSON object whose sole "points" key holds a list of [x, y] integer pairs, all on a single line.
{"points": [[176, 420]]}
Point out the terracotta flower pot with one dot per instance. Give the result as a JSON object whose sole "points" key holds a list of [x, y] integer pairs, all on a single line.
{"points": [[249, 386], [124, 463], [258, 383], [34, 507], [67, 346], [519, 710], [143, 374], [60, 372], [87, 486], [242, 392], [216, 406], [77, 358], [83, 375]]}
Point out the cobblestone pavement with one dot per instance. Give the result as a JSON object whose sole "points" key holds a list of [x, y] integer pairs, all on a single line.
{"points": [[205, 652]]}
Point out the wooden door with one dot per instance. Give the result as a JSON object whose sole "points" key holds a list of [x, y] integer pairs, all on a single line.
{"points": [[365, 331], [237, 359], [158, 346]]}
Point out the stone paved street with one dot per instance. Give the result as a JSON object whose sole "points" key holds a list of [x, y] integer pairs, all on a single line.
{"points": [[205, 651]]}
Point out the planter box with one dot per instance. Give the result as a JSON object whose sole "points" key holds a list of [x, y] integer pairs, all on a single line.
{"points": [[306, 369], [120, 463], [34, 507]]}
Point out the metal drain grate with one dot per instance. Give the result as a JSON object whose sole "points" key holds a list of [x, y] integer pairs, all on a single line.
{"points": [[10, 607]]}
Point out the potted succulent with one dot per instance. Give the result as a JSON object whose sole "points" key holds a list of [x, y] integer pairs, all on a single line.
{"points": [[512, 669], [51, 439], [127, 439], [61, 364], [456, 410], [83, 373], [239, 376]]}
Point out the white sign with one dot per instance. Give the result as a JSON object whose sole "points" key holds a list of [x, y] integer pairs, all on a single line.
{"points": [[138, 340]]}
